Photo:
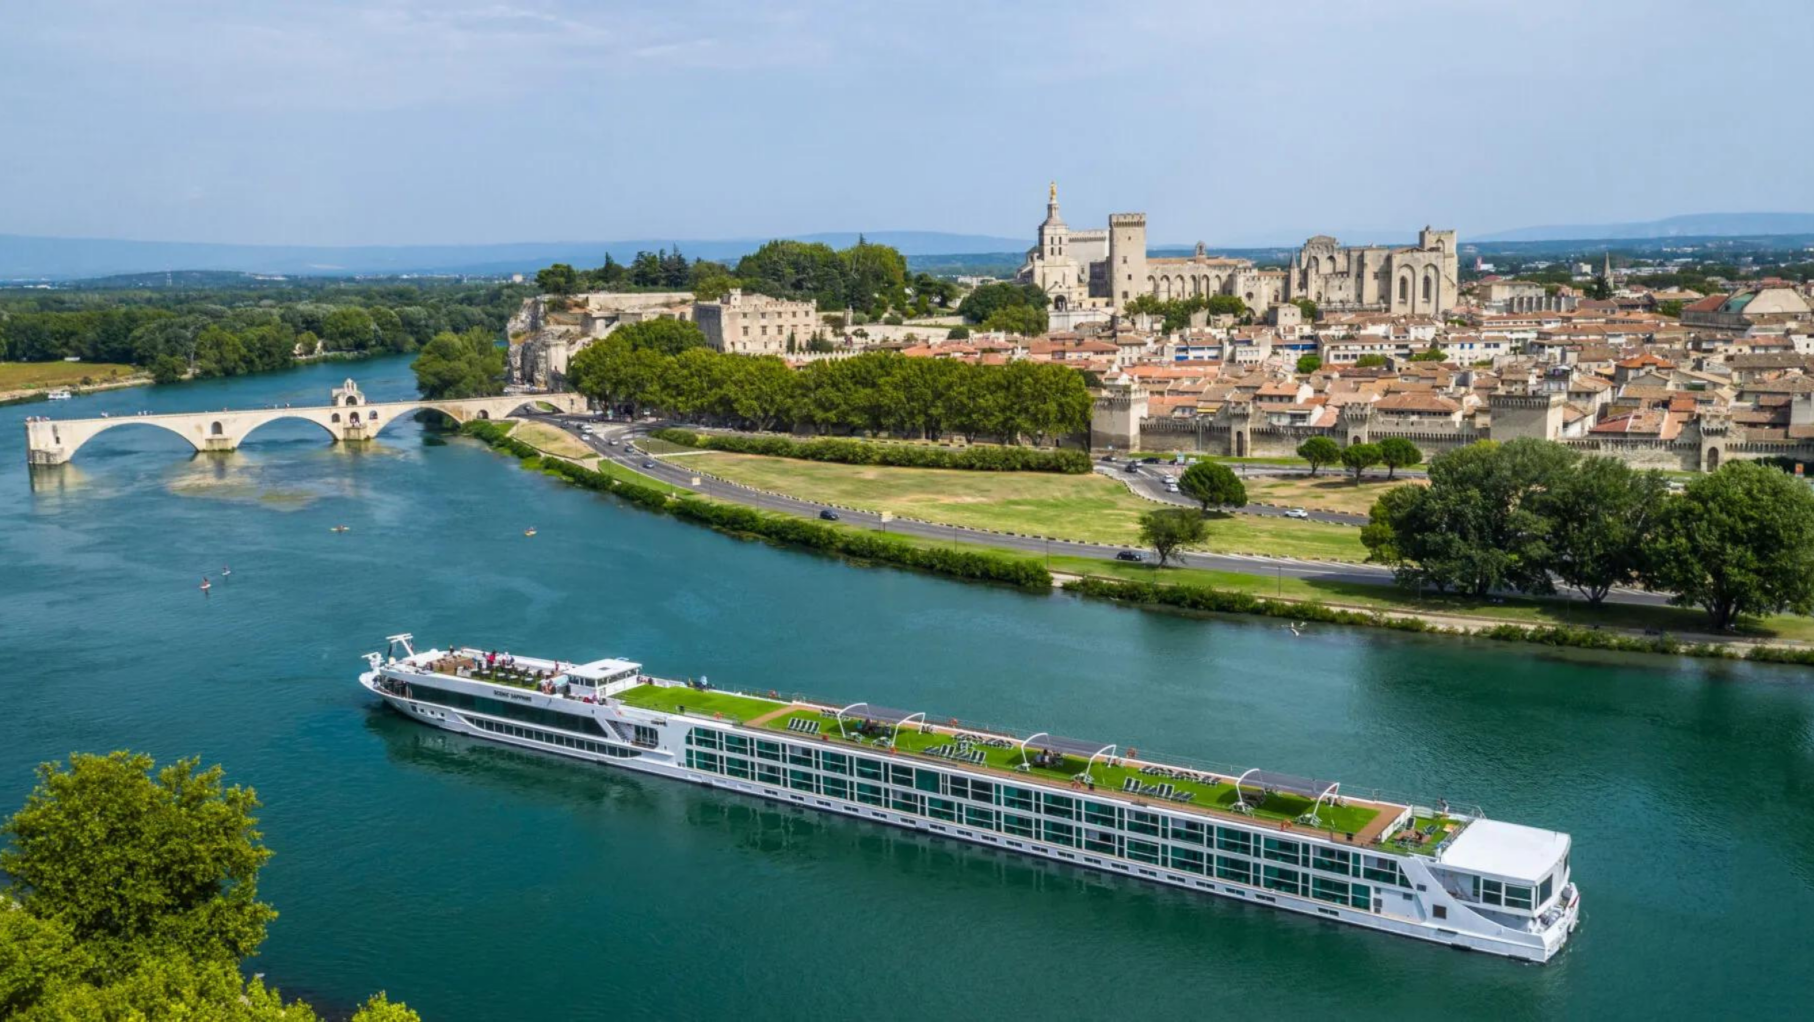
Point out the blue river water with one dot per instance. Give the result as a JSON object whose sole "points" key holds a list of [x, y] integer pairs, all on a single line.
{"points": [[477, 883]]}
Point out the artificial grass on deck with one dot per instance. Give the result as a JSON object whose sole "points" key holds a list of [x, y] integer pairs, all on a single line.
{"points": [[1109, 779], [671, 699]]}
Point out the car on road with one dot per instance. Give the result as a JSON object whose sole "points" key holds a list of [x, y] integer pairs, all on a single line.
{"points": [[1108, 457], [828, 514], [612, 442], [1171, 486], [1149, 461], [646, 463], [1297, 512], [1132, 467], [1130, 555]]}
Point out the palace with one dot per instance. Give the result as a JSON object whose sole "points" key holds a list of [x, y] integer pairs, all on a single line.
{"points": [[1104, 269]]}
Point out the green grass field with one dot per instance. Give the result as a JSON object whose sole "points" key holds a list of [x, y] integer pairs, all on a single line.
{"points": [[1083, 507], [1327, 492], [46, 375], [554, 441]]}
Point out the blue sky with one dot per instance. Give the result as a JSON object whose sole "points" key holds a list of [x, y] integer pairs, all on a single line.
{"points": [[440, 121]]}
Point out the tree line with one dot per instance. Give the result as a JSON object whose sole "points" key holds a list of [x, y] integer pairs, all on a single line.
{"points": [[1013, 308], [665, 365], [983, 458], [1528, 515], [131, 892], [867, 278], [232, 331]]}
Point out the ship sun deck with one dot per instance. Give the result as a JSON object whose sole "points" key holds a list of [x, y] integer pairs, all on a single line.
{"points": [[1261, 798]]}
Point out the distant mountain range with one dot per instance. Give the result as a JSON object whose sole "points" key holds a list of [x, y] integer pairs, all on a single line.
{"points": [[28, 258], [1694, 225]]}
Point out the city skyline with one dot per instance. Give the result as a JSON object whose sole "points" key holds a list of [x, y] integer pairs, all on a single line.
{"points": [[379, 123]]}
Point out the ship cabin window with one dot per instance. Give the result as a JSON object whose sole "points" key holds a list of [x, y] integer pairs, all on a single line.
{"points": [[1017, 798], [1059, 833], [1278, 878], [1230, 868], [1280, 850], [768, 750], [978, 817], [927, 781], [942, 809], [798, 756], [1334, 860], [1188, 859], [1190, 831], [1142, 823], [834, 762], [900, 776], [1101, 815], [836, 787], [1021, 825], [1229, 839], [1060, 806], [1545, 890], [871, 769], [1382, 870], [643, 735], [737, 744]]}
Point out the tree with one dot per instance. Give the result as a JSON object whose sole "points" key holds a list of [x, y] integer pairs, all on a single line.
{"points": [[1308, 308], [1600, 289], [1021, 320], [1319, 451], [1603, 520], [307, 343], [664, 335], [1212, 484], [957, 333], [348, 329], [1395, 452], [1431, 354], [1476, 528], [559, 279], [1308, 364], [1738, 542], [169, 369], [1370, 362], [1168, 529], [1357, 458], [1670, 307], [1225, 305], [460, 365], [986, 300], [132, 861]]}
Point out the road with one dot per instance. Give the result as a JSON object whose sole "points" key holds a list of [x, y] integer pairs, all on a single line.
{"points": [[1150, 482], [676, 473]]}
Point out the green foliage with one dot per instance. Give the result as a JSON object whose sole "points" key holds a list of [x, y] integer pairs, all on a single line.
{"points": [[1396, 452], [132, 862], [869, 452], [1604, 517], [559, 279], [1212, 484], [871, 547], [663, 335], [1671, 307], [1478, 526], [1308, 308], [1739, 541], [169, 369], [379, 1008], [1021, 320], [1319, 451], [1431, 354], [957, 333], [865, 276], [460, 365], [1599, 288], [1357, 458], [1370, 362], [1308, 364], [989, 299], [1167, 529], [1226, 305]]}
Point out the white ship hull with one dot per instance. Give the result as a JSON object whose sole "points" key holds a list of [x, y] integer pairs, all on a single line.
{"points": [[1405, 913]]}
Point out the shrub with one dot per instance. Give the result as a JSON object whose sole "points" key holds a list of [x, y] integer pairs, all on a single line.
{"points": [[847, 451]]}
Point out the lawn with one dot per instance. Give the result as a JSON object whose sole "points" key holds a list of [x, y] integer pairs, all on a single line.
{"points": [[671, 699], [1082, 507], [44, 375], [555, 441], [1326, 492], [1206, 790]]}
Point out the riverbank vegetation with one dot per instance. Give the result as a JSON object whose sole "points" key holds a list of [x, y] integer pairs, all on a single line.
{"points": [[979, 458], [18, 377], [879, 548], [1526, 515], [234, 329], [131, 892], [882, 393], [468, 364]]}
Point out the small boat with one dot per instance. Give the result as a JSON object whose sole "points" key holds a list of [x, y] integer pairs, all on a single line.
{"points": [[206, 585], [529, 531], [338, 528], [58, 395]]}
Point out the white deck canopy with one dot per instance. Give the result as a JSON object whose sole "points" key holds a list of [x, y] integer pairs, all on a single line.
{"points": [[1508, 850], [599, 673]]}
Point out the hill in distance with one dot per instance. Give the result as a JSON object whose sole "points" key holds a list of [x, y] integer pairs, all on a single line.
{"points": [[33, 258], [1694, 225]]}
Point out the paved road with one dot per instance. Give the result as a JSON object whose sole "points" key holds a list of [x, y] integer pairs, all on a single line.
{"points": [[1150, 481], [676, 473]]}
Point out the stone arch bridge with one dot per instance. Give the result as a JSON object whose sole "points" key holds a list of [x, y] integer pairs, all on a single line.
{"points": [[349, 418]]}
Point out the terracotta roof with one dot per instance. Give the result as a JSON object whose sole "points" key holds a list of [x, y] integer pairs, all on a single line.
{"points": [[1416, 402], [1657, 423]]}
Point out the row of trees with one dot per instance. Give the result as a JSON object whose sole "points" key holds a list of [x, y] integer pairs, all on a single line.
{"points": [[226, 331], [1177, 312], [1015, 308], [1393, 452], [664, 365], [868, 278], [1528, 514], [132, 893]]}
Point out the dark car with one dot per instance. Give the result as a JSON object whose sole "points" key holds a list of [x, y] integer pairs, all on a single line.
{"points": [[1131, 467], [1108, 457], [829, 515], [1130, 555], [1149, 461], [647, 463]]}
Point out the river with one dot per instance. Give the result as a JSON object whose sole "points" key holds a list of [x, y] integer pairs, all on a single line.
{"points": [[477, 883]]}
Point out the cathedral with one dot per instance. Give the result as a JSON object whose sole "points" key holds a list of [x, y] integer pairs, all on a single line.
{"points": [[1104, 269]]}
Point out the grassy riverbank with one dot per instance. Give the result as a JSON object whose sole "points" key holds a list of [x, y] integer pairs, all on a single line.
{"points": [[25, 379], [1091, 508]]}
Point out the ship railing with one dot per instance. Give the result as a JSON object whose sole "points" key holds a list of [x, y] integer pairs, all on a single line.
{"points": [[1420, 805]]}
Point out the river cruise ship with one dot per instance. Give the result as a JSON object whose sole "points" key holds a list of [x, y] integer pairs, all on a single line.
{"points": [[1439, 873]]}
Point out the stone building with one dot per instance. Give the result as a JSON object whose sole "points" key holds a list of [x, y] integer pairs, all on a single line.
{"points": [[1109, 268], [549, 330], [1423, 280], [756, 324]]}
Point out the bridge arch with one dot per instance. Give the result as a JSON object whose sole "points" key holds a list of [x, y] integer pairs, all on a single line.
{"points": [[310, 419], [127, 423]]}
